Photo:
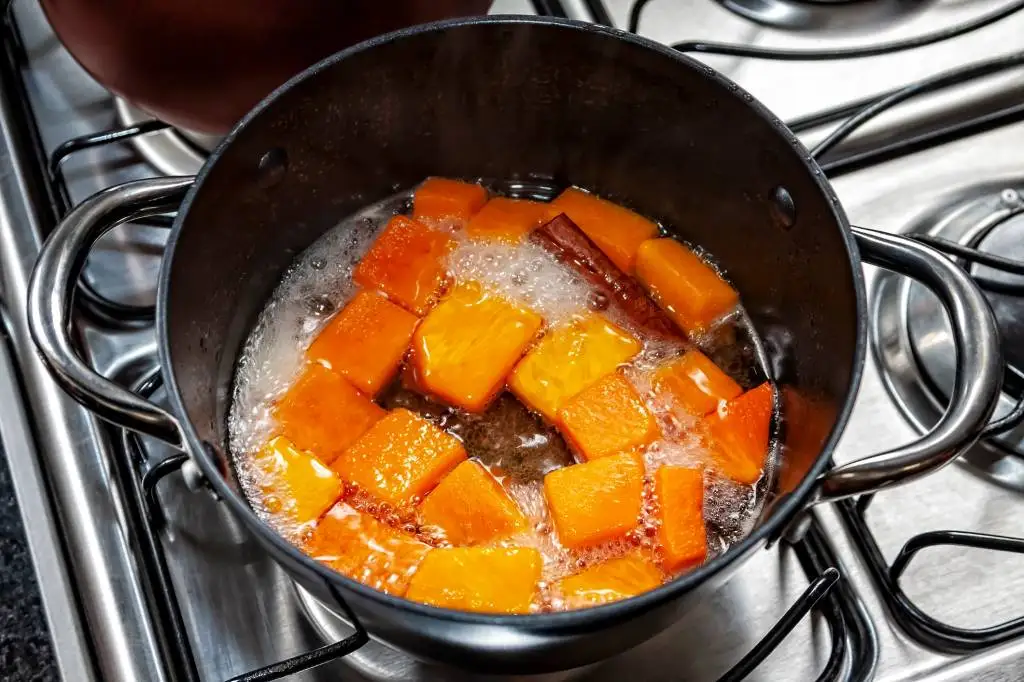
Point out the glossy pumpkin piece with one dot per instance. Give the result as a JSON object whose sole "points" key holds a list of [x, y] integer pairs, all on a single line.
{"points": [[607, 418], [616, 230], [567, 360], [609, 581], [364, 549], [681, 533], [366, 341], [406, 264], [466, 347], [481, 579], [471, 507], [294, 483], [687, 288], [401, 458], [442, 198], [323, 413], [596, 501], [695, 383], [507, 219], [740, 432]]}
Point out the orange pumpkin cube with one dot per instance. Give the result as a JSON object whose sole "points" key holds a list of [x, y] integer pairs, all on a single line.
{"points": [[615, 229], [295, 484], [683, 540], [406, 263], [323, 413], [507, 219], [364, 549], [366, 341], [482, 579], [596, 501], [440, 198], [695, 383], [740, 431], [609, 581], [606, 418], [401, 458], [569, 359], [687, 288], [463, 350], [471, 507]]}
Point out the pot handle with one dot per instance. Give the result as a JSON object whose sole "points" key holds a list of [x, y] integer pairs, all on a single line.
{"points": [[979, 365], [51, 297]]}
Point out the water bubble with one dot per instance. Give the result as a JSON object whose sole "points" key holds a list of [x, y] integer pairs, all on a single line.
{"points": [[598, 301], [523, 272], [320, 306]]}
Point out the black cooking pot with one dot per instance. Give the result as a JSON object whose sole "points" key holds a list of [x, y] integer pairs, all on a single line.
{"points": [[519, 98]]}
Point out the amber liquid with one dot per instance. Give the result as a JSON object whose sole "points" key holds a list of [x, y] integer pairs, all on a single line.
{"points": [[513, 443]]}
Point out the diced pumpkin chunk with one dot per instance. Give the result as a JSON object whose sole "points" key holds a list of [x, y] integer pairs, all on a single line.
{"points": [[687, 288], [364, 549], [439, 198], [295, 484], [740, 431], [366, 341], [695, 383], [323, 413], [463, 350], [569, 359], [615, 229], [401, 458], [609, 581], [507, 219], [472, 507], [406, 263], [483, 579], [606, 418], [680, 493], [596, 501]]}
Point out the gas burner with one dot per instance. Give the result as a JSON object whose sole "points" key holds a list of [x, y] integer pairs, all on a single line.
{"points": [[810, 15], [912, 337], [377, 662], [174, 151]]}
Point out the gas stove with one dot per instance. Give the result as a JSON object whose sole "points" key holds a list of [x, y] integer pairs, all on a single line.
{"points": [[142, 578]]}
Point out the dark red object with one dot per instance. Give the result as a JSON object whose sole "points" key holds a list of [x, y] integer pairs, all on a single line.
{"points": [[201, 65]]}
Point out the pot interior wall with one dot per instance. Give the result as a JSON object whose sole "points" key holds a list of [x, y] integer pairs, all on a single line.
{"points": [[575, 105]]}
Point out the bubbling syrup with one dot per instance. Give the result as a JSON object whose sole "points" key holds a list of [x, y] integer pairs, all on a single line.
{"points": [[514, 444]]}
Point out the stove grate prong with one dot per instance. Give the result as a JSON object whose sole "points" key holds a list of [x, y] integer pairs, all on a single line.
{"points": [[929, 631]]}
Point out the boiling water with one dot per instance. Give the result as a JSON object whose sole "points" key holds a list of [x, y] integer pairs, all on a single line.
{"points": [[513, 443]]}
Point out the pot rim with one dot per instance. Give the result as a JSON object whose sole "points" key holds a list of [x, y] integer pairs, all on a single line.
{"points": [[785, 509]]}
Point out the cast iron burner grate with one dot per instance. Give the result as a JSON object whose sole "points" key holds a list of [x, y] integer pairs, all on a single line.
{"points": [[854, 647], [924, 628], [815, 15], [171, 150]]}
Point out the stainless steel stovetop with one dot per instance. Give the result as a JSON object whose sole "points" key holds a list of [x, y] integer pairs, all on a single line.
{"points": [[240, 612]]}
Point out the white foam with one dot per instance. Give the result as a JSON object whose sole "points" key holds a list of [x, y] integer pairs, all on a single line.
{"points": [[522, 272], [314, 287], [730, 510]]}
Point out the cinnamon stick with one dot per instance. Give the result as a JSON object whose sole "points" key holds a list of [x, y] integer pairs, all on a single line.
{"points": [[571, 246]]}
